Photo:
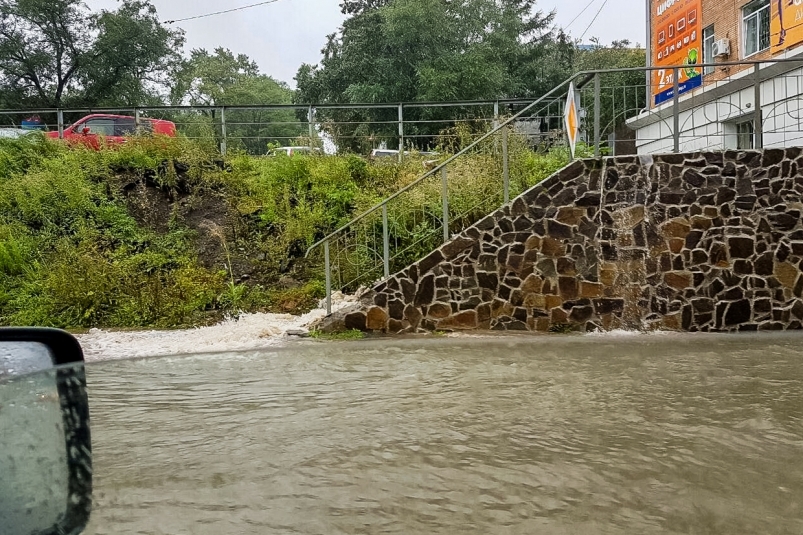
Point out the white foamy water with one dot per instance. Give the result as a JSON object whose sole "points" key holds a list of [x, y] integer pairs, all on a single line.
{"points": [[248, 331]]}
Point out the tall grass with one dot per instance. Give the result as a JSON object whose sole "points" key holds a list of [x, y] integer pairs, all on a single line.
{"points": [[73, 256]]}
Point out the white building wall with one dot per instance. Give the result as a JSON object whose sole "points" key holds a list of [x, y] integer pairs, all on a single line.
{"points": [[712, 125]]}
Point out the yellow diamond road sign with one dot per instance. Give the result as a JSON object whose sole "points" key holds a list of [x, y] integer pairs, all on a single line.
{"points": [[571, 118]]}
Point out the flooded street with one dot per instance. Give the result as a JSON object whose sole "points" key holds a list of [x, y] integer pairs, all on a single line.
{"points": [[600, 434]]}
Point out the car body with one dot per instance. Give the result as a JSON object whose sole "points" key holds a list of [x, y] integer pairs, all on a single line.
{"points": [[97, 129], [290, 151]]}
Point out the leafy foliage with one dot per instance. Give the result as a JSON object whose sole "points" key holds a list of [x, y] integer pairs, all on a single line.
{"points": [[56, 53], [418, 50], [221, 78]]}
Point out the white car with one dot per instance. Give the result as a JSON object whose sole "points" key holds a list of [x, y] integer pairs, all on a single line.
{"points": [[289, 151], [13, 133]]}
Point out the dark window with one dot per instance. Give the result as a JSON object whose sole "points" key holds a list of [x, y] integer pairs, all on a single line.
{"points": [[125, 126], [745, 133]]}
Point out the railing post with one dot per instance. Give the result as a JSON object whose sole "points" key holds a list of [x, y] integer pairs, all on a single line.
{"points": [[758, 116], [445, 202], [223, 130], [597, 114], [385, 241], [328, 277], [60, 119], [505, 163], [311, 121], [401, 132], [137, 117], [496, 125], [676, 111]]}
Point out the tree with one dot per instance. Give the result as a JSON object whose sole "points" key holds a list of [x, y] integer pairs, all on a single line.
{"points": [[424, 50], [623, 93], [56, 52], [223, 79]]}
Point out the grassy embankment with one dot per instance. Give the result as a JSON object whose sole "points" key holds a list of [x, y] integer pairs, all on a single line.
{"points": [[162, 233]]}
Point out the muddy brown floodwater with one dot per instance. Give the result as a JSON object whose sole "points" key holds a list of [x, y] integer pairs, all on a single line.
{"points": [[603, 434]]}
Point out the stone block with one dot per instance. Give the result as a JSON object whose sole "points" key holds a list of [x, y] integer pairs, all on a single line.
{"points": [[413, 316], [570, 215], [532, 284], [439, 311], [568, 287], [533, 243], [464, 321], [552, 301], [787, 274], [355, 321], [535, 300], [376, 319], [679, 280], [676, 228], [741, 247], [590, 290]]}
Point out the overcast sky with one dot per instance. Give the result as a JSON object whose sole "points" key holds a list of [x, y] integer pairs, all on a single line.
{"points": [[283, 35]]}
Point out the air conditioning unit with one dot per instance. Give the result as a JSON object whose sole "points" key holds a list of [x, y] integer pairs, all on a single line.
{"points": [[721, 48]]}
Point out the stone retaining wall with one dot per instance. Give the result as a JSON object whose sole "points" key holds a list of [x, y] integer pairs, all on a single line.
{"points": [[694, 242]]}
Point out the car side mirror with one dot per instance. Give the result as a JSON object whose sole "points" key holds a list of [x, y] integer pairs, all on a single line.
{"points": [[45, 447], [86, 130]]}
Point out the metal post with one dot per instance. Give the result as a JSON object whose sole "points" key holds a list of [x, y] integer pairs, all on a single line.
{"points": [[445, 202], [385, 240], [758, 116], [505, 164], [676, 110], [60, 119], [328, 277], [223, 130], [496, 125], [597, 114], [137, 117], [401, 132], [311, 121]]}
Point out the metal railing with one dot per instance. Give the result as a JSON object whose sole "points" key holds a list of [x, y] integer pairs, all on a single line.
{"points": [[619, 116], [335, 128]]}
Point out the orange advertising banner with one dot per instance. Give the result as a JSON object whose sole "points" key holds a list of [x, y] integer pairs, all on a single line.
{"points": [[786, 24], [677, 41]]}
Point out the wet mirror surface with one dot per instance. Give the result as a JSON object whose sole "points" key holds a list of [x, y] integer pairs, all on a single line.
{"points": [[605, 434], [33, 454]]}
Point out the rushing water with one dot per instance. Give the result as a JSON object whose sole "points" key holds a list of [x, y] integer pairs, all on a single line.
{"points": [[631, 434]]}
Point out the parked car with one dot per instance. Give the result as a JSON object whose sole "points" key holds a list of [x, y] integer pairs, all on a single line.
{"points": [[113, 129], [290, 151]]}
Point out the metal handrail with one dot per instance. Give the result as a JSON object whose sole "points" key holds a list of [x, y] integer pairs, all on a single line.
{"points": [[583, 78], [439, 168]]}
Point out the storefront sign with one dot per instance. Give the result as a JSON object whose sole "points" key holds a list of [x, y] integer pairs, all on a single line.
{"points": [[677, 41], [786, 24]]}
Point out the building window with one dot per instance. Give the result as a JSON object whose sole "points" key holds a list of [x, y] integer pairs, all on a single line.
{"points": [[756, 27], [745, 133], [708, 48]]}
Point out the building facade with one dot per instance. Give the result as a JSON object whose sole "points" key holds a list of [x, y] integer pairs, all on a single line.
{"points": [[730, 106]]}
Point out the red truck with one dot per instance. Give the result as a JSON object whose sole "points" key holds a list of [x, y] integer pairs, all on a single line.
{"points": [[114, 129]]}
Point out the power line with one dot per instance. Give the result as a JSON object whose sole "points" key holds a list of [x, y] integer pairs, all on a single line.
{"points": [[594, 19], [221, 12], [579, 14]]}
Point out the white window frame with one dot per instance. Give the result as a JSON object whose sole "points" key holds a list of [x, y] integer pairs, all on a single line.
{"points": [[760, 7], [708, 48]]}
